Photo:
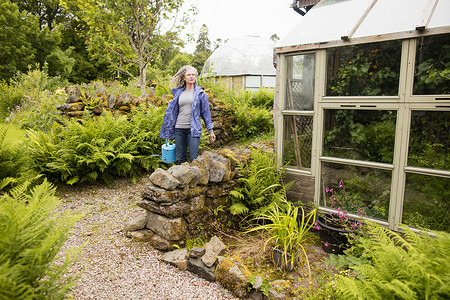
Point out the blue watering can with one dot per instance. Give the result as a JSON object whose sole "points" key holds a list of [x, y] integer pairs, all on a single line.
{"points": [[168, 154]]}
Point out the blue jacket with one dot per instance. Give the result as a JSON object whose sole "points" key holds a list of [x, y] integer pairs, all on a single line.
{"points": [[200, 109]]}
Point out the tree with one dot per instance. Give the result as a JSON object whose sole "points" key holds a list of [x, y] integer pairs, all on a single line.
{"points": [[17, 30], [128, 32], [203, 43], [47, 11]]}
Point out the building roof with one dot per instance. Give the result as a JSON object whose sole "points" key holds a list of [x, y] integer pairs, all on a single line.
{"points": [[246, 55], [340, 22]]}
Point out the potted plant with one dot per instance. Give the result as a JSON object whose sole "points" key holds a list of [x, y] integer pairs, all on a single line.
{"points": [[335, 227], [287, 232]]}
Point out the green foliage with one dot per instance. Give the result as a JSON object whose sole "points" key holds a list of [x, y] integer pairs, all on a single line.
{"points": [[403, 266], [286, 231], [32, 233], [260, 184], [262, 98], [88, 150], [17, 33], [14, 163], [10, 98], [38, 108], [369, 70], [265, 287], [252, 121]]}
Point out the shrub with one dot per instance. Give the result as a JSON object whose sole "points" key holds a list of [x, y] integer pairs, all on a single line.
{"points": [[252, 121], [14, 163], [398, 266], [31, 236], [10, 98], [87, 150]]}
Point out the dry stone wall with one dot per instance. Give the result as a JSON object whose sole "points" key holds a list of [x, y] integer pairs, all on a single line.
{"points": [[79, 102], [179, 202]]}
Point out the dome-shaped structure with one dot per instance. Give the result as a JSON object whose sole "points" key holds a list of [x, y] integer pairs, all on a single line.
{"points": [[245, 62]]}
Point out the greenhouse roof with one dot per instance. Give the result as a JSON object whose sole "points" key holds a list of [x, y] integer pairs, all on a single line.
{"points": [[247, 55], [341, 22]]}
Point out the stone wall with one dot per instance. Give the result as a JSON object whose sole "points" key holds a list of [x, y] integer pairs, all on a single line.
{"points": [[179, 203], [78, 103]]}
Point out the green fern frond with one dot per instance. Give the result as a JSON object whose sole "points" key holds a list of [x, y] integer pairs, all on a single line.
{"points": [[238, 209]]}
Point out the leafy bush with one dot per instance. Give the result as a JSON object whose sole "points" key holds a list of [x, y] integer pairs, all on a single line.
{"points": [[88, 150], [260, 184], [31, 236], [10, 98], [400, 266], [252, 121], [37, 109], [262, 98], [14, 163]]}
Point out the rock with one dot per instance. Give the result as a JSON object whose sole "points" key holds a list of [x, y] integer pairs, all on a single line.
{"points": [[217, 171], [169, 229], [160, 243], [159, 195], [182, 173], [112, 101], [173, 210], [197, 203], [176, 258], [164, 179], [136, 223], [197, 252], [141, 235], [196, 176], [257, 283], [214, 248], [196, 266], [202, 163], [255, 295], [233, 275]]}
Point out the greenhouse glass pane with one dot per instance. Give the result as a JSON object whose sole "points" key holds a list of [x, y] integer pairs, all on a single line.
{"points": [[300, 82], [252, 81], [367, 135], [364, 70], [297, 142], [356, 189], [427, 202], [432, 73], [388, 16], [429, 142]]}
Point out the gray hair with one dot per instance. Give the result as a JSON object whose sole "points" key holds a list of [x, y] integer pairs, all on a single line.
{"points": [[178, 79]]}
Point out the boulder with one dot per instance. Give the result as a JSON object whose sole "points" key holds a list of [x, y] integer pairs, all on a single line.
{"points": [[214, 248], [140, 235], [279, 290], [164, 179], [202, 163], [137, 223], [174, 210], [183, 174], [159, 195], [197, 203], [169, 229], [196, 266], [176, 258], [233, 275], [197, 252], [160, 243]]}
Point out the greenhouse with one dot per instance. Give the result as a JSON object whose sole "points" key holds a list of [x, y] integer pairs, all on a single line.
{"points": [[245, 62], [362, 110]]}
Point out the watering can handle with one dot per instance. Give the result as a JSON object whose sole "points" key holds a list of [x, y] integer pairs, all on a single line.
{"points": [[167, 140]]}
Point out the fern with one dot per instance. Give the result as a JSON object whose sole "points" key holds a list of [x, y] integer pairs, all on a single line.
{"points": [[407, 266], [88, 150], [31, 236]]}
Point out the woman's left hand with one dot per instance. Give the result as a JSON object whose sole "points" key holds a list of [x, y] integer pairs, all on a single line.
{"points": [[212, 137]]}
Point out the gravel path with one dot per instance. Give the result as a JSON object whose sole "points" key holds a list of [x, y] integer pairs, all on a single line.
{"points": [[112, 266]]}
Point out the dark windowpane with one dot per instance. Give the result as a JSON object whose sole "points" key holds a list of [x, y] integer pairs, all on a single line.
{"points": [[429, 145], [300, 82], [360, 134], [432, 73], [364, 70], [297, 141], [427, 202], [357, 190]]}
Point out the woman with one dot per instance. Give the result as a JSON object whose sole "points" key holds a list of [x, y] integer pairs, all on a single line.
{"points": [[182, 118]]}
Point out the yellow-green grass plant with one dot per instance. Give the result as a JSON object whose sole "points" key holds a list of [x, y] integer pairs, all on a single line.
{"points": [[287, 231]]}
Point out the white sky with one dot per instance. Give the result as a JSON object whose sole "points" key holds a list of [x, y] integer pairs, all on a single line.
{"points": [[227, 19]]}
